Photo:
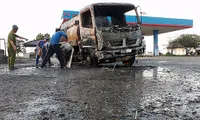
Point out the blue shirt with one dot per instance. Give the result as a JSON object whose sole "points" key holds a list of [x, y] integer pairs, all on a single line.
{"points": [[55, 39], [40, 43]]}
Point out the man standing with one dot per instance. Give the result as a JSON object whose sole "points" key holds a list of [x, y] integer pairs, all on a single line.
{"points": [[39, 54], [58, 36], [12, 47]]}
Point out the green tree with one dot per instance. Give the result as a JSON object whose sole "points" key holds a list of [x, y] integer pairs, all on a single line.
{"points": [[186, 41], [174, 44], [189, 40], [41, 36], [47, 35]]}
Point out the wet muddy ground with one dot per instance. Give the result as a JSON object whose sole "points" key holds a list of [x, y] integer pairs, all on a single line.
{"points": [[155, 88]]}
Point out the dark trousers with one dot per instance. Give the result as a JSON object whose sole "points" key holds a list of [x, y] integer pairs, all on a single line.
{"points": [[54, 49], [44, 51]]}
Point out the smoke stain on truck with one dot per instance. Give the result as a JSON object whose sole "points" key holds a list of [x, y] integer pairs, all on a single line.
{"points": [[100, 34]]}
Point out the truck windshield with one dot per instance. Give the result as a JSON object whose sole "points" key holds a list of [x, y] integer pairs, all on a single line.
{"points": [[103, 21], [109, 16]]}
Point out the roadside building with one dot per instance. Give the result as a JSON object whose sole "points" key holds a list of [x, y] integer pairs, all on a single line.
{"points": [[180, 51]]}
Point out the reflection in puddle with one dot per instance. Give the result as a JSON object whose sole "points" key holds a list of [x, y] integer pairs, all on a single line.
{"points": [[163, 61], [25, 71], [156, 72], [19, 71], [22, 71], [38, 105], [151, 73], [34, 108]]}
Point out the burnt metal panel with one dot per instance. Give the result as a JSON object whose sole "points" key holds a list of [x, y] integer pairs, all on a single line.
{"points": [[126, 6]]}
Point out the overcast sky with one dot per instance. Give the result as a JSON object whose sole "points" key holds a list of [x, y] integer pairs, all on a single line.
{"points": [[43, 16]]}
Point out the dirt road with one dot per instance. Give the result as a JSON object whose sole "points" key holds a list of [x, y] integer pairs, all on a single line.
{"points": [[157, 88]]}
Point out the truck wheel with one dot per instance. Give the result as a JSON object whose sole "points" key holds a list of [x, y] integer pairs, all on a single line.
{"points": [[129, 63]]}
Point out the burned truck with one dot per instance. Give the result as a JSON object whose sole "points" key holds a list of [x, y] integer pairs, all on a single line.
{"points": [[100, 34]]}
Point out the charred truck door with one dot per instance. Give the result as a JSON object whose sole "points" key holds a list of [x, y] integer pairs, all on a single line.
{"points": [[87, 34]]}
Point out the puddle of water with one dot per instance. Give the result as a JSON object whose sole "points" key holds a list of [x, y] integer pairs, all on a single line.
{"points": [[157, 72], [34, 108], [23, 71], [40, 104], [173, 89], [19, 71], [151, 73], [163, 61]]}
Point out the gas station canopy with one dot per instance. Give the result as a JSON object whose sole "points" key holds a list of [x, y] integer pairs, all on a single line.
{"points": [[163, 25], [149, 24]]}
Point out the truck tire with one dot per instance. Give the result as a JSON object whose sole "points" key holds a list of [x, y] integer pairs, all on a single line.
{"points": [[129, 63]]}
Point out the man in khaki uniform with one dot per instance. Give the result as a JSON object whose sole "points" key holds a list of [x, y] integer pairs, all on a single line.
{"points": [[12, 47]]}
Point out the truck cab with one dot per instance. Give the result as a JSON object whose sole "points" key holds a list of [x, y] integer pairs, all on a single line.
{"points": [[103, 35]]}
